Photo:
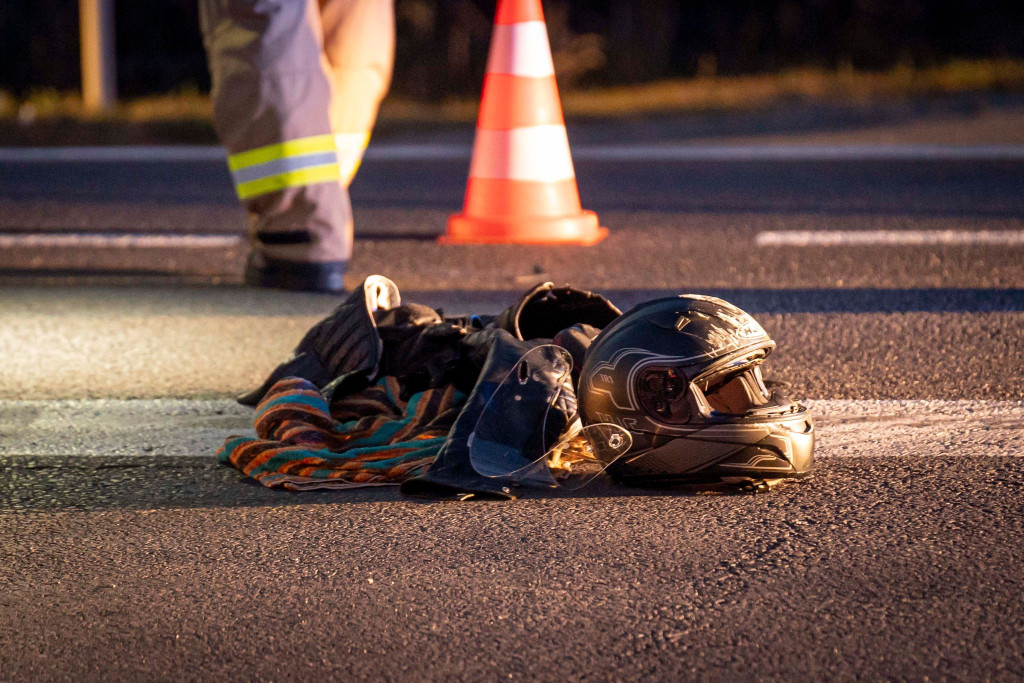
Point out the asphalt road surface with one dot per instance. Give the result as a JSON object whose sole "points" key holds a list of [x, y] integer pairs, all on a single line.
{"points": [[128, 553]]}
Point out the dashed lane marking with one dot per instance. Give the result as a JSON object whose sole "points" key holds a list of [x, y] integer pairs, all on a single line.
{"points": [[100, 240], [868, 238], [113, 154], [853, 152]]}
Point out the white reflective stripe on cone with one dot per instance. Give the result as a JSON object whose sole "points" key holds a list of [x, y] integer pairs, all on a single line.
{"points": [[520, 50], [530, 153]]}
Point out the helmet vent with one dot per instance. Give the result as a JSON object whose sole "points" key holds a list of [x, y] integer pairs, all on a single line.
{"points": [[524, 372]]}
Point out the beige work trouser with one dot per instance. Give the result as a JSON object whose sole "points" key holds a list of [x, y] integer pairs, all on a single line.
{"points": [[296, 87]]}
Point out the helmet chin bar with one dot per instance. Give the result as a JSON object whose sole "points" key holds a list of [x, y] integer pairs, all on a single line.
{"points": [[731, 452], [737, 430]]}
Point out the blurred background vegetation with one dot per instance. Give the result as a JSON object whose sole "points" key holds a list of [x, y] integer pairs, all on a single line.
{"points": [[728, 48]]}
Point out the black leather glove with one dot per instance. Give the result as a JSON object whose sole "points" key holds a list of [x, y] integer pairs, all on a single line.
{"points": [[343, 347], [546, 310]]}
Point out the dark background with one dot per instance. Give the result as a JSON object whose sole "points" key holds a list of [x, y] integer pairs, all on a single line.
{"points": [[442, 44]]}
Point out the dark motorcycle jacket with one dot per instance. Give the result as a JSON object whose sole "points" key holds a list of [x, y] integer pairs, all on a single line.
{"points": [[373, 334]]}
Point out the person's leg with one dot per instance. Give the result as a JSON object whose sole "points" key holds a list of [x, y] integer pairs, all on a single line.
{"points": [[359, 44], [272, 99]]}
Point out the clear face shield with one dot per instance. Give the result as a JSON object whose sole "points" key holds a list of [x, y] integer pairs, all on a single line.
{"points": [[522, 435], [736, 391]]}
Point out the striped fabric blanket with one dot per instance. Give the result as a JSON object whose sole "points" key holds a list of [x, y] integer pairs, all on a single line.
{"points": [[370, 438]]}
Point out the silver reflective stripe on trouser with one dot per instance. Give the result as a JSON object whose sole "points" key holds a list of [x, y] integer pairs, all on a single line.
{"points": [[292, 163]]}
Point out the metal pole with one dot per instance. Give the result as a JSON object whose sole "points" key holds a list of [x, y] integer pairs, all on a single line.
{"points": [[96, 24]]}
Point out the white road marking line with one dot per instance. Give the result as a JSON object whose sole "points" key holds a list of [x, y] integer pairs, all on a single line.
{"points": [[771, 238], [852, 152], [860, 238], [925, 428], [113, 154], [581, 152], [118, 427], [113, 240], [845, 428], [417, 152]]}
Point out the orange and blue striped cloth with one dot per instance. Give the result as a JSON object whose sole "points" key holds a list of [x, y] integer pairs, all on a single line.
{"points": [[369, 438]]}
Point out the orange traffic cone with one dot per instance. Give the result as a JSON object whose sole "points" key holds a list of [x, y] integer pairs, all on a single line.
{"points": [[522, 186]]}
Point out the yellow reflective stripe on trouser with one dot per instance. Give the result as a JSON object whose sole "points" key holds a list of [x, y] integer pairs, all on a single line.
{"points": [[280, 150], [292, 163], [304, 176]]}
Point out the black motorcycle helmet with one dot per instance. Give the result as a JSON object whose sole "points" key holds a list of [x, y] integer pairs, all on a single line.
{"points": [[683, 375]]}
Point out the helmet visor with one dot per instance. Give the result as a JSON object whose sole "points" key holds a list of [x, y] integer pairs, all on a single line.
{"points": [[744, 395], [523, 437], [669, 398]]}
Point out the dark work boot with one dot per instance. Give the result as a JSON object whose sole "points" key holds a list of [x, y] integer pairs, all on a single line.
{"points": [[262, 271]]}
